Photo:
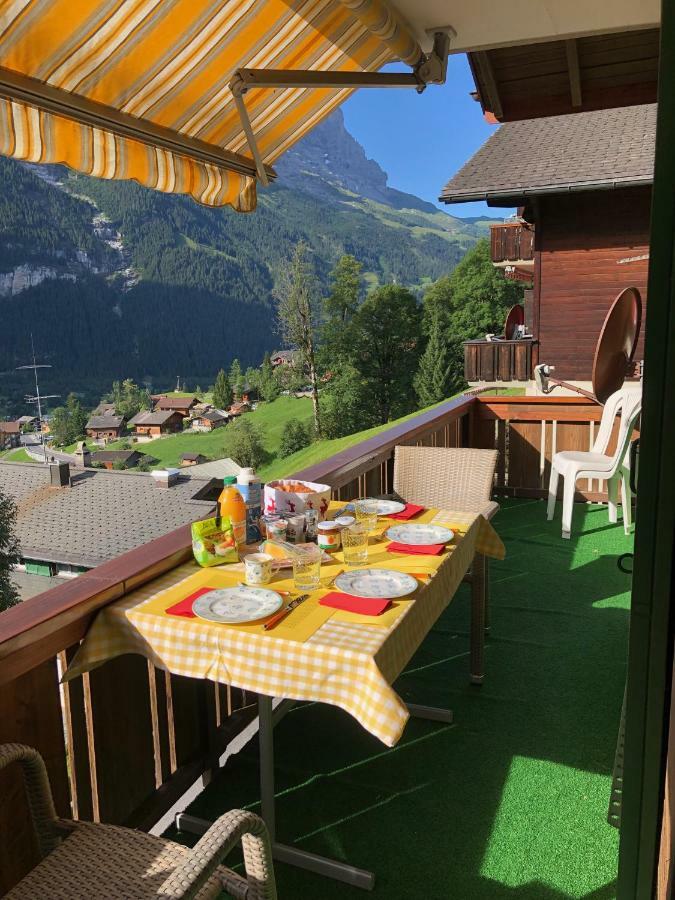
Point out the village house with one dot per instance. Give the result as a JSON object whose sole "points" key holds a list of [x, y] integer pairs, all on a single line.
{"points": [[10, 435], [192, 459], [157, 423], [107, 513], [182, 405], [105, 428], [284, 357], [110, 459], [581, 238], [213, 418], [238, 407]]}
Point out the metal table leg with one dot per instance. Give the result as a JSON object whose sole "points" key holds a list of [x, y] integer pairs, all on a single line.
{"points": [[478, 587], [267, 717]]}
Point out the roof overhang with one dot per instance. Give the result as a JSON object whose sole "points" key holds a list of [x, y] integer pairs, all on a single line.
{"points": [[518, 196], [483, 24]]}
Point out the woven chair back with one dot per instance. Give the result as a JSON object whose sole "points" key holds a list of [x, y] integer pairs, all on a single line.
{"points": [[445, 477]]}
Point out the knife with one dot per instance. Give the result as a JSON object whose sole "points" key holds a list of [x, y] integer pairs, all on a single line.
{"points": [[284, 612]]}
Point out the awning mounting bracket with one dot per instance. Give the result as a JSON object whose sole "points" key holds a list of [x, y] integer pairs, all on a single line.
{"points": [[431, 69]]}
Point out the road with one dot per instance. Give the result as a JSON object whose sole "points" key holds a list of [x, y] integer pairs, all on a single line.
{"points": [[31, 444]]}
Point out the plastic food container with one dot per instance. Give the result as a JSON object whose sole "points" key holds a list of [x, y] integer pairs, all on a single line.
{"points": [[328, 537]]}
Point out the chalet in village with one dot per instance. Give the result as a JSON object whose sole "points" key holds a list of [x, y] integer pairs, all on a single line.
{"points": [[582, 184]]}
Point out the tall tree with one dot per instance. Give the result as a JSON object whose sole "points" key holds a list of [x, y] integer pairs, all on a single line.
{"points": [[473, 301], [68, 422], [129, 398], [343, 300], [236, 379], [339, 309], [388, 330], [222, 393], [267, 383], [9, 552], [434, 378], [297, 302]]}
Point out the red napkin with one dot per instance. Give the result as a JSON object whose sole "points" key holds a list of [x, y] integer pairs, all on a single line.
{"points": [[184, 607], [365, 606], [419, 549], [410, 510]]}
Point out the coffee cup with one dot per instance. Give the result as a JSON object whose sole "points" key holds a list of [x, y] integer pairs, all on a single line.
{"points": [[259, 568]]}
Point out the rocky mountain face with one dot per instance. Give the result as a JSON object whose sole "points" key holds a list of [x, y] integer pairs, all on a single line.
{"points": [[329, 160]]}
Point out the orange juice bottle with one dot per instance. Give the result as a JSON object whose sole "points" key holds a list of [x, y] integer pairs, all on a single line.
{"points": [[231, 504]]}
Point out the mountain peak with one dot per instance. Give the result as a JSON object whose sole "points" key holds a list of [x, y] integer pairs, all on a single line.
{"points": [[329, 161]]}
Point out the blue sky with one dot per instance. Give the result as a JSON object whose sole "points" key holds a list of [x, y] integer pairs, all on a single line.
{"points": [[421, 140]]}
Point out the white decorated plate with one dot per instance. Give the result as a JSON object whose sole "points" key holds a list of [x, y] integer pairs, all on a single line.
{"points": [[419, 534], [236, 605], [380, 583], [389, 507]]}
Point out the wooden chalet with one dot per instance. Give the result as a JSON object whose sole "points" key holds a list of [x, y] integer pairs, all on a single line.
{"points": [[192, 459], [212, 418], [156, 423], [110, 459], [105, 428], [10, 435], [182, 405], [582, 184]]}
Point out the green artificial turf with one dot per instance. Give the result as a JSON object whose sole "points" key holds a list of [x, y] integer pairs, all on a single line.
{"points": [[509, 802]]}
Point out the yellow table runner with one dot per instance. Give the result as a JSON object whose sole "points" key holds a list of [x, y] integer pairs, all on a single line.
{"points": [[346, 661]]}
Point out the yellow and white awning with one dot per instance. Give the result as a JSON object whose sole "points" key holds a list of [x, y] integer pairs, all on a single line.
{"points": [[139, 89]]}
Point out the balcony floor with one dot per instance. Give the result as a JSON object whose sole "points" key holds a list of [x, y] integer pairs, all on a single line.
{"points": [[510, 801]]}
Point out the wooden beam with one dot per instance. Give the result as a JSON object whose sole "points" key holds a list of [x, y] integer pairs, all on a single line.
{"points": [[33, 92], [572, 53], [488, 84]]}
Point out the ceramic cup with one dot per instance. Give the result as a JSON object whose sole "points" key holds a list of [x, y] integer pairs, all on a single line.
{"points": [[259, 568]]}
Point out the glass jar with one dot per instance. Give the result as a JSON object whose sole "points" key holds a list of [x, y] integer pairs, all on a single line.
{"points": [[328, 536]]}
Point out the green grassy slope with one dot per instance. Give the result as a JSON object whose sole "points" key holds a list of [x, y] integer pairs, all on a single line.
{"points": [[271, 418]]}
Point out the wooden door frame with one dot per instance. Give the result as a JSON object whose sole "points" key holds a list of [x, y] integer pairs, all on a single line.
{"points": [[650, 661]]}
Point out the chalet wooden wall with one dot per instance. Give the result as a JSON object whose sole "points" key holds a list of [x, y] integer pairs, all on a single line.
{"points": [[581, 239]]}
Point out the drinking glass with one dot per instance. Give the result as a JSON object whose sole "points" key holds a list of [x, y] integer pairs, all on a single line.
{"points": [[366, 513], [307, 568], [355, 545]]}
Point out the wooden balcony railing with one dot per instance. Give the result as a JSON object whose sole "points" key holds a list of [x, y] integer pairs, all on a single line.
{"points": [[124, 743], [498, 360], [512, 242]]}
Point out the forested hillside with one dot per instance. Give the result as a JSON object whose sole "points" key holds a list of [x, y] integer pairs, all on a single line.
{"points": [[114, 280]]}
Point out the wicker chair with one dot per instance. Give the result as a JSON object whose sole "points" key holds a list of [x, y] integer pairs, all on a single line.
{"points": [[106, 862], [449, 478], [460, 479]]}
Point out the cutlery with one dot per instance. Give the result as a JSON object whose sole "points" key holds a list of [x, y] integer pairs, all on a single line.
{"points": [[276, 590], [284, 612], [332, 581]]}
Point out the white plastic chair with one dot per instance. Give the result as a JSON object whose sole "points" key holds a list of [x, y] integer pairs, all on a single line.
{"points": [[575, 464]]}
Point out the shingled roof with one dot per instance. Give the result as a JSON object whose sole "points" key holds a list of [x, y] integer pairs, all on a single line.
{"points": [[101, 515], [608, 148], [144, 417], [103, 422]]}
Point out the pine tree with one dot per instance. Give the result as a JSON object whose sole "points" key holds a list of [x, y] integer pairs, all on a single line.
{"points": [[433, 381], [297, 302], [236, 379], [9, 552], [222, 393], [268, 384], [343, 300]]}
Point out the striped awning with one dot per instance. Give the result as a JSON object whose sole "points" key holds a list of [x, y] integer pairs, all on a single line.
{"points": [[139, 89]]}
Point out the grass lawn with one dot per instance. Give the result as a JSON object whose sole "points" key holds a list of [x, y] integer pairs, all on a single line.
{"points": [[271, 418], [18, 455]]}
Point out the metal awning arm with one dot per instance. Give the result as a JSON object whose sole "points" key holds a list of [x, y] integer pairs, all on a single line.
{"points": [[431, 69]]}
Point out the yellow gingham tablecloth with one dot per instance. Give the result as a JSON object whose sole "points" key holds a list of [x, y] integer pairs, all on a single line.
{"points": [[343, 663]]}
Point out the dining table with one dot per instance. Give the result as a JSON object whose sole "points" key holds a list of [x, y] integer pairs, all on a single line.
{"points": [[317, 653]]}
